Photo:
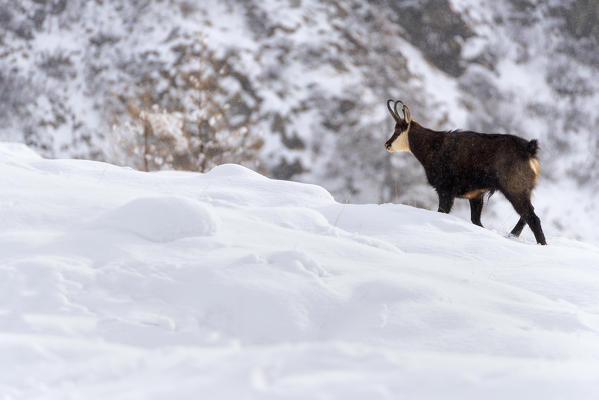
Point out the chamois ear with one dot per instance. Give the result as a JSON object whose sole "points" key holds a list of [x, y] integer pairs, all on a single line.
{"points": [[406, 114]]}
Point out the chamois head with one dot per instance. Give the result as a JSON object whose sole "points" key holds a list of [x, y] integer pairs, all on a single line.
{"points": [[399, 139]]}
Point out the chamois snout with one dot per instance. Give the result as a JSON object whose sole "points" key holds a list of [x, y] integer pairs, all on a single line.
{"points": [[390, 144], [389, 141]]}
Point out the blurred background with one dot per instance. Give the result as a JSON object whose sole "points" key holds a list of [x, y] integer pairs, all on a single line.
{"points": [[296, 89]]}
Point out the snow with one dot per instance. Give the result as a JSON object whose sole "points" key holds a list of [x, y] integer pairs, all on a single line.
{"points": [[172, 218], [226, 285]]}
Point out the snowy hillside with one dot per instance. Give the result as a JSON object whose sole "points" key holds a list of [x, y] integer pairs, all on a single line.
{"points": [[228, 285]]}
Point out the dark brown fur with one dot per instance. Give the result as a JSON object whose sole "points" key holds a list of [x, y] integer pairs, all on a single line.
{"points": [[468, 164]]}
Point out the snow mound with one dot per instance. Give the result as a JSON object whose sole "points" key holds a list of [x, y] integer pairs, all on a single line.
{"points": [[234, 171], [14, 150], [237, 185], [162, 219]]}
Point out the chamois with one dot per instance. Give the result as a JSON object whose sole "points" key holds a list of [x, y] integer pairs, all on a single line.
{"points": [[468, 164]]}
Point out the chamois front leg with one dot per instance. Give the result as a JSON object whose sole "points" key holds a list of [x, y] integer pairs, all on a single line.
{"points": [[445, 202], [476, 208]]}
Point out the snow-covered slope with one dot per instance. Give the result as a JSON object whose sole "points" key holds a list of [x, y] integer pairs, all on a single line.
{"points": [[227, 285]]}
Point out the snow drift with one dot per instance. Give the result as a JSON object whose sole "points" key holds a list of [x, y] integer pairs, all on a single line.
{"points": [[227, 285]]}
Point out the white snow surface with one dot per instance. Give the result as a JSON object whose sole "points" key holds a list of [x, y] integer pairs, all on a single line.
{"points": [[228, 285]]}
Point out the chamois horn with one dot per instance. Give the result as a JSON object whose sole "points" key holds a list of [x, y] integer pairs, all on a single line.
{"points": [[393, 113]]}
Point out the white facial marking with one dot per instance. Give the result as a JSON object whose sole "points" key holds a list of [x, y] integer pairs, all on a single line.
{"points": [[401, 143]]}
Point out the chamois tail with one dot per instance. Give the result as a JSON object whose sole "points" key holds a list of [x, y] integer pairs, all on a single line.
{"points": [[532, 148]]}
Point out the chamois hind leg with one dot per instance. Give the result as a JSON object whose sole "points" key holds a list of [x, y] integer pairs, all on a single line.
{"points": [[518, 228], [523, 206], [445, 202], [476, 207]]}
